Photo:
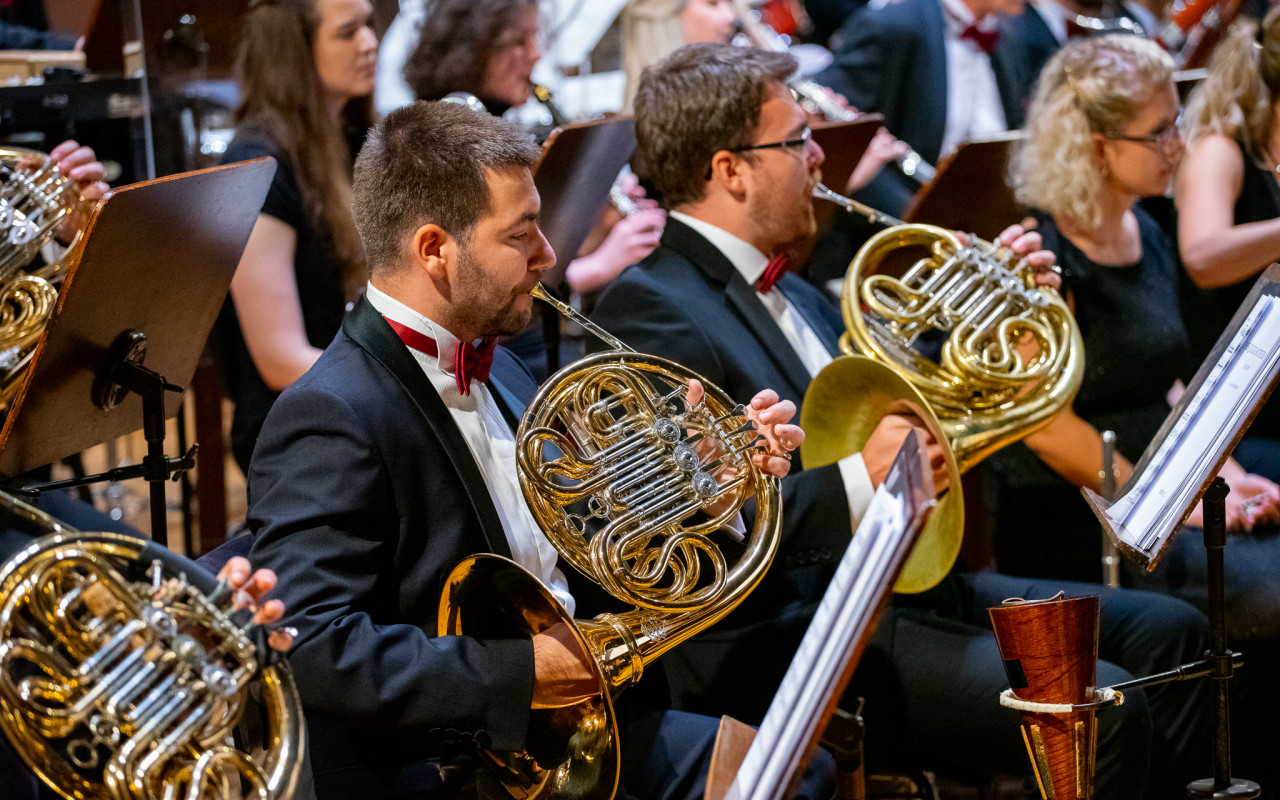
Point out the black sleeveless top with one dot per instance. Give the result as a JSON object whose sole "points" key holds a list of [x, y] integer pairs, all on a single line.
{"points": [[1136, 346], [1208, 311], [1135, 341]]}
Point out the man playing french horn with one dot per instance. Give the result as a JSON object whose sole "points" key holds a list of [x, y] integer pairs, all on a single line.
{"points": [[392, 460], [727, 149]]}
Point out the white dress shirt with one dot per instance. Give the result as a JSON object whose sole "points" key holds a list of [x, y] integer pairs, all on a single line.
{"points": [[973, 98], [750, 263], [490, 440]]}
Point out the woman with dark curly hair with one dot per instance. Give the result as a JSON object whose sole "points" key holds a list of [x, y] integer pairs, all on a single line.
{"points": [[482, 47], [305, 68]]}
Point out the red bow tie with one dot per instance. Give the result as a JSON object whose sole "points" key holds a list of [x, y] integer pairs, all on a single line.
{"points": [[985, 40], [470, 363], [772, 273]]}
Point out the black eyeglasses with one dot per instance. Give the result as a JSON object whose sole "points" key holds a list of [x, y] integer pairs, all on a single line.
{"points": [[804, 139], [1163, 139]]}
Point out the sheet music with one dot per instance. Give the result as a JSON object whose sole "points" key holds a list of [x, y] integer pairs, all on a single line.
{"points": [[1148, 513], [865, 574]]}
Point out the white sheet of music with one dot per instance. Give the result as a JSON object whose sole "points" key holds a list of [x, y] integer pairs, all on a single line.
{"points": [[1149, 512], [847, 610]]}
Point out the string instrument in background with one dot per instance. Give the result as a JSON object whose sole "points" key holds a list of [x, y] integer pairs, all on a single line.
{"points": [[1195, 27]]}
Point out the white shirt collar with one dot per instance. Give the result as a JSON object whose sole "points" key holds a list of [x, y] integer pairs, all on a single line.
{"points": [[745, 257], [391, 308], [959, 16]]}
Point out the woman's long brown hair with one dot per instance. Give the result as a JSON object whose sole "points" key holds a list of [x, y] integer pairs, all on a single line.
{"points": [[281, 95]]}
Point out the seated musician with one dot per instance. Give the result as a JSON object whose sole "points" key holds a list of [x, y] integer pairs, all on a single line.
{"points": [[488, 50], [933, 69], [392, 460], [728, 151]]}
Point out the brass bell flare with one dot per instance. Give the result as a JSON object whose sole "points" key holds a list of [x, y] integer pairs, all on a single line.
{"points": [[1011, 360]]}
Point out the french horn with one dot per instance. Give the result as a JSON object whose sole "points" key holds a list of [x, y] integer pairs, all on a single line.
{"points": [[636, 487], [1011, 359], [35, 198], [123, 673]]}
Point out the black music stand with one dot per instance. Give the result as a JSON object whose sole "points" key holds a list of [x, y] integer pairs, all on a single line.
{"points": [[579, 165], [133, 315], [949, 200], [1201, 408]]}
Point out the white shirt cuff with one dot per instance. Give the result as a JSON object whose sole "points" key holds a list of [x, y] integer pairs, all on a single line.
{"points": [[857, 486]]}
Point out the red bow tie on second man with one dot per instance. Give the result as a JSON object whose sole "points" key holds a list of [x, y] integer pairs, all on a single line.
{"points": [[772, 274], [470, 363], [985, 40]]}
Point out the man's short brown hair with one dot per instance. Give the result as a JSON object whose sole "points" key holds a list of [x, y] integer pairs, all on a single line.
{"points": [[428, 163], [701, 99]]}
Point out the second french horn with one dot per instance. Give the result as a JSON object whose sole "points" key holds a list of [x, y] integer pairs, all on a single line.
{"points": [[1010, 359], [635, 485]]}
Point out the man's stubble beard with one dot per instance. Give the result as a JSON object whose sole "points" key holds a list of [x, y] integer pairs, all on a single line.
{"points": [[482, 317]]}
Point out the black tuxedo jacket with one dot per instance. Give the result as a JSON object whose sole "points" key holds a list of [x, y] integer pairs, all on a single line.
{"points": [[1027, 40], [364, 496], [686, 302], [893, 60]]}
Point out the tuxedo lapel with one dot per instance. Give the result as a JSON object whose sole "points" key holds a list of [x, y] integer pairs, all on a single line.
{"points": [[369, 330], [806, 304], [934, 53], [742, 297], [1008, 83]]}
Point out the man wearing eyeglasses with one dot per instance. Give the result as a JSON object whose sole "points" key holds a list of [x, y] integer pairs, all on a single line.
{"points": [[725, 145]]}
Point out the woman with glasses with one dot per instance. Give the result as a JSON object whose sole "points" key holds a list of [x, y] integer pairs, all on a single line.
{"points": [[1102, 134], [1228, 198]]}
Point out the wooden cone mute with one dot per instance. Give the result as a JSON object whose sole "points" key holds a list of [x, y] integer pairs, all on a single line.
{"points": [[1050, 652]]}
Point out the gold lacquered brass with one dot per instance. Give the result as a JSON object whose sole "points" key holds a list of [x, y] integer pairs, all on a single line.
{"points": [[625, 478], [124, 685], [1012, 360], [35, 198]]}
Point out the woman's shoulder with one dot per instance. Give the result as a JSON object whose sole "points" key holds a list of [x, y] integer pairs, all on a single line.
{"points": [[284, 198], [250, 141]]}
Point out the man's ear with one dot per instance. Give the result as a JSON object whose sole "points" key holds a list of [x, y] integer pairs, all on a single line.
{"points": [[433, 251], [727, 172]]}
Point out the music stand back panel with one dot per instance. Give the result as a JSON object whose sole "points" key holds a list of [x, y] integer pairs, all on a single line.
{"points": [[970, 192], [579, 165], [158, 257]]}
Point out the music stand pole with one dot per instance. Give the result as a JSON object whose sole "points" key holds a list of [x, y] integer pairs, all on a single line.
{"points": [[1221, 785]]}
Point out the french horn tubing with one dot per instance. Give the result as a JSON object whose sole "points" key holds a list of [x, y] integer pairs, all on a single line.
{"points": [[1011, 360], [35, 198], [123, 673], [635, 487]]}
